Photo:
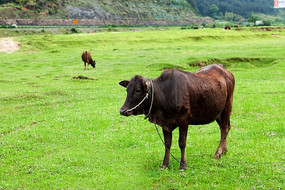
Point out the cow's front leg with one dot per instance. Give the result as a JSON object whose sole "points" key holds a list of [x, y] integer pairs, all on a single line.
{"points": [[167, 140], [182, 144]]}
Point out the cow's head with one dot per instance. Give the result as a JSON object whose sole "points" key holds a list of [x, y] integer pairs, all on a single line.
{"points": [[137, 89], [93, 63]]}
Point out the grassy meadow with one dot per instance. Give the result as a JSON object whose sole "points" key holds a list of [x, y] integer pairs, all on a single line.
{"points": [[57, 132]]}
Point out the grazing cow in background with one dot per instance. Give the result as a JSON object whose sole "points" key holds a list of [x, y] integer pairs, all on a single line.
{"points": [[178, 98], [86, 58], [227, 28]]}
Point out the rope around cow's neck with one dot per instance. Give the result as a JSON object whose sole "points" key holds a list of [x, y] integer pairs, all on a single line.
{"points": [[152, 97]]}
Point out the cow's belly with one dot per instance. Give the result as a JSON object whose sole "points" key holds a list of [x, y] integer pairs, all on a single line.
{"points": [[207, 109], [204, 119]]}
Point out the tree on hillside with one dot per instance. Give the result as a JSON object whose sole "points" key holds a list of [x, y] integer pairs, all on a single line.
{"points": [[252, 19], [5, 1], [21, 2], [214, 10], [229, 16], [193, 3]]}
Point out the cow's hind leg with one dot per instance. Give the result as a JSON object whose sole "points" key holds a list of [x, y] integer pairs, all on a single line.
{"points": [[84, 65], [167, 140], [182, 144], [225, 126]]}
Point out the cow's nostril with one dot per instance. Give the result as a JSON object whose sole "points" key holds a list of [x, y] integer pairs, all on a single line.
{"points": [[122, 111]]}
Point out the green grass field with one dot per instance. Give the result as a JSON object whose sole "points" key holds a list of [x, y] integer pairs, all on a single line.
{"points": [[62, 133]]}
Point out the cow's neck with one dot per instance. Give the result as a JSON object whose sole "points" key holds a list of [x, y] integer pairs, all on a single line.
{"points": [[156, 97], [157, 114]]}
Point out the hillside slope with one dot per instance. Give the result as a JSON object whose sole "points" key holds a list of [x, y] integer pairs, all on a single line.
{"points": [[170, 10], [141, 10]]}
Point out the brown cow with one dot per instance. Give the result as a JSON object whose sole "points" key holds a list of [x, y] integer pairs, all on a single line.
{"points": [[227, 28], [178, 98], [86, 58]]}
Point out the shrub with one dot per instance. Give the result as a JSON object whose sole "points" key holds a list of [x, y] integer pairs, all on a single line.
{"points": [[266, 23], [74, 30], [7, 26]]}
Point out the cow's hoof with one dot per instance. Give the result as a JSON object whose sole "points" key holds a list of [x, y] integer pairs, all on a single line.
{"points": [[183, 167], [217, 156], [225, 150], [163, 167]]}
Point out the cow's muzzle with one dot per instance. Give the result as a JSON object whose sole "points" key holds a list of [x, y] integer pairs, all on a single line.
{"points": [[125, 112]]}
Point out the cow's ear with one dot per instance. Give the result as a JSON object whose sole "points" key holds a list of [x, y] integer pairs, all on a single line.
{"points": [[146, 85], [124, 83]]}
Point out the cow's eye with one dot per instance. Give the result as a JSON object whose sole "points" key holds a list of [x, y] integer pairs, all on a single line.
{"points": [[138, 91]]}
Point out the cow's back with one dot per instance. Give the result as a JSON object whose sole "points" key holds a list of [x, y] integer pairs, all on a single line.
{"points": [[220, 73], [196, 95], [216, 86], [86, 56]]}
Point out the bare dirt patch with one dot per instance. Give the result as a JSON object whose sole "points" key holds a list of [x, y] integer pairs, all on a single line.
{"points": [[84, 78], [267, 28], [277, 36], [8, 45]]}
